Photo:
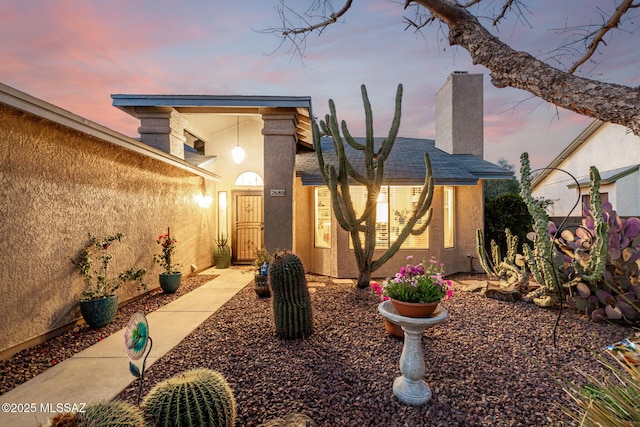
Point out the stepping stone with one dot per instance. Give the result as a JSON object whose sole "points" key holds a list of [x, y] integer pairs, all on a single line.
{"points": [[315, 284]]}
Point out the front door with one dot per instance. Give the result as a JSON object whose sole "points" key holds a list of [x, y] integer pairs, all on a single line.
{"points": [[248, 225]]}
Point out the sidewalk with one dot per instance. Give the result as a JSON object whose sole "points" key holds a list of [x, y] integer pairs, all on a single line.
{"points": [[101, 371]]}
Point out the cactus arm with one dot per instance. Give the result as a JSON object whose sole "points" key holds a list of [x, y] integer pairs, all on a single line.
{"points": [[594, 269], [546, 272], [422, 210], [484, 262]]}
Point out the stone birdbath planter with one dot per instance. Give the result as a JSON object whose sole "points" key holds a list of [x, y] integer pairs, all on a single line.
{"points": [[410, 388]]}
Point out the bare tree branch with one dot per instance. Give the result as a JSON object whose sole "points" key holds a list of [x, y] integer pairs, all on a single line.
{"points": [[332, 19], [598, 38], [605, 101]]}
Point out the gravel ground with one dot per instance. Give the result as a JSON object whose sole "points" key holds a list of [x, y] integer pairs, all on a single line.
{"points": [[30, 362], [488, 365]]}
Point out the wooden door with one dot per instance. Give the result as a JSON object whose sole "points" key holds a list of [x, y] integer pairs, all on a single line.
{"points": [[248, 225]]}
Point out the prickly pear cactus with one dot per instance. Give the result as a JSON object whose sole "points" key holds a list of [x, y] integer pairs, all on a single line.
{"points": [[199, 397], [291, 300], [511, 270]]}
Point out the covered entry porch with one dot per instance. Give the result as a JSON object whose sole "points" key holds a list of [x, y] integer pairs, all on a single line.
{"points": [[254, 201]]}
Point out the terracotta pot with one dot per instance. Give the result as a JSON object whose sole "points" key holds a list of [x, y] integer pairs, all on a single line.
{"points": [[412, 309], [393, 329]]}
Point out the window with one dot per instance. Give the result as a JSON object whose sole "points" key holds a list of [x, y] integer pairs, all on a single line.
{"points": [[447, 202], [323, 218], [586, 199], [249, 179], [395, 206]]}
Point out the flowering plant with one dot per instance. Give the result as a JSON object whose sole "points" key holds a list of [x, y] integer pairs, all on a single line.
{"points": [[168, 244], [102, 288], [420, 283]]}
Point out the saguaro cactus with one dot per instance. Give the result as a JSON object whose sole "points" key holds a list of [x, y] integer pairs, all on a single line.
{"points": [[338, 180], [291, 300]]}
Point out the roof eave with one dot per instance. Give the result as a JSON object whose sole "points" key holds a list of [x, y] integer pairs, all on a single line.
{"points": [[39, 108]]}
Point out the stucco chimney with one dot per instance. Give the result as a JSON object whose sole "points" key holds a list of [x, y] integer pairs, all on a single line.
{"points": [[459, 115]]}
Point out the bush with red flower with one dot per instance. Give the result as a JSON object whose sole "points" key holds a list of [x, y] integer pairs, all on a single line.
{"points": [[420, 283], [168, 245], [95, 278]]}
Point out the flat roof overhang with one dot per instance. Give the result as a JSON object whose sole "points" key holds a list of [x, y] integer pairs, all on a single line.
{"points": [[226, 104]]}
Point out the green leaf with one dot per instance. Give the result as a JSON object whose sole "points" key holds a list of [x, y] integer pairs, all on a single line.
{"points": [[135, 371]]}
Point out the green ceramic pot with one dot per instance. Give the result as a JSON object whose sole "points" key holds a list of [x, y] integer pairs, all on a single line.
{"points": [[170, 282], [222, 256], [99, 312]]}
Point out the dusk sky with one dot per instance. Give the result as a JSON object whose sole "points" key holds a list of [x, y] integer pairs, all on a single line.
{"points": [[76, 53]]}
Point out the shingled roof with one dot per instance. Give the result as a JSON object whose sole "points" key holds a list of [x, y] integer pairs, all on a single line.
{"points": [[405, 165]]}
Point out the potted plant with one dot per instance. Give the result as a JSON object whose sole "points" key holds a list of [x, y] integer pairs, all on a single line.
{"points": [[222, 255], [416, 290], [391, 328], [170, 279], [261, 261], [99, 303]]}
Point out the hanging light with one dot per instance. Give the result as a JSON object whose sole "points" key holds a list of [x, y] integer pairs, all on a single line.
{"points": [[238, 152]]}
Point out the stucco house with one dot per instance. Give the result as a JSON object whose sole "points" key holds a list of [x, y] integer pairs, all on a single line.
{"points": [[64, 176], [611, 148]]}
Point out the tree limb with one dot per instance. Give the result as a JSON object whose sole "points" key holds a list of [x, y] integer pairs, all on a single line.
{"points": [[605, 101], [598, 38]]}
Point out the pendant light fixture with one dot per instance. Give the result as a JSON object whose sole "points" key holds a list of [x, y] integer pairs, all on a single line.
{"points": [[238, 152]]}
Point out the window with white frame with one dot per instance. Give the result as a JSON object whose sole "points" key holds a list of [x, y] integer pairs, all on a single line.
{"points": [[323, 217], [395, 206], [449, 229]]}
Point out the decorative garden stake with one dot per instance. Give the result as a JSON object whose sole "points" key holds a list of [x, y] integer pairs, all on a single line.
{"points": [[410, 388], [135, 343]]}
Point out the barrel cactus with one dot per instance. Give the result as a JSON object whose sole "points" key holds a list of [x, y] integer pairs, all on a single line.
{"points": [[199, 397], [291, 300], [103, 414]]}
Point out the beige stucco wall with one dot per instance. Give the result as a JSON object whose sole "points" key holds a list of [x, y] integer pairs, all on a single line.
{"points": [[339, 261], [57, 185]]}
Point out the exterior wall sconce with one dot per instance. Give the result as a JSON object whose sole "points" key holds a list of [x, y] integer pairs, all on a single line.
{"points": [[238, 152], [203, 200]]}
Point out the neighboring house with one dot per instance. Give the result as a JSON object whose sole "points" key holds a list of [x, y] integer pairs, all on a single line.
{"points": [[615, 151], [64, 177]]}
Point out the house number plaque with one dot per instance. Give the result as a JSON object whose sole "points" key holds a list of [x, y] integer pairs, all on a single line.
{"points": [[277, 193]]}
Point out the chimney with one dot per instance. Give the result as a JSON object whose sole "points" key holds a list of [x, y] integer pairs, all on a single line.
{"points": [[459, 115]]}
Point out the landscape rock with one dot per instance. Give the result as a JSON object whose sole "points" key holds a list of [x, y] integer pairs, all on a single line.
{"points": [[506, 295], [291, 420], [477, 286]]}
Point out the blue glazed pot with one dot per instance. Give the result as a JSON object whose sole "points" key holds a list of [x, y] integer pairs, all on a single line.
{"points": [[99, 312], [170, 282]]}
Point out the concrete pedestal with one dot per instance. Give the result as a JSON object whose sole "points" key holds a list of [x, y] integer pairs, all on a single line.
{"points": [[410, 388]]}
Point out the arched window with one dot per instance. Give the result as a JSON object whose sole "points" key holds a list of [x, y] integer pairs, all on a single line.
{"points": [[249, 179]]}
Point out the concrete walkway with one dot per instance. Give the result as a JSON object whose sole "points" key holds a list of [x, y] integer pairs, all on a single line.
{"points": [[101, 371]]}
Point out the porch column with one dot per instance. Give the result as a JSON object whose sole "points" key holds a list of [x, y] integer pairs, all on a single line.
{"points": [[162, 128], [279, 170]]}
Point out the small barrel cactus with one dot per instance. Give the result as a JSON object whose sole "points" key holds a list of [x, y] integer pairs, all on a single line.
{"points": [[291, 300], [102, 414], [199, 397]]}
